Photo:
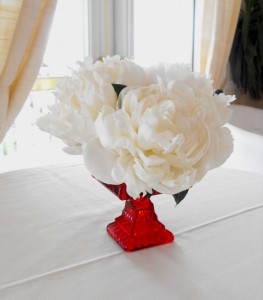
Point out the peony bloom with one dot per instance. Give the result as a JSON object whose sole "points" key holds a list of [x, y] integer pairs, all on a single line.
{"points": [[163, 132], [80, 98]]}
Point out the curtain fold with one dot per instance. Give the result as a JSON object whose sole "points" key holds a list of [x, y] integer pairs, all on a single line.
{"points": [[26, 24], [214, 40]]}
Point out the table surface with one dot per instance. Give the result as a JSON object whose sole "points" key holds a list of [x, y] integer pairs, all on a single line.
{"points": [[54, 244]]}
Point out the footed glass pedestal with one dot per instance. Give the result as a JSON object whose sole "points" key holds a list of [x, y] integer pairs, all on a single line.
{"points": [[138, 225]]}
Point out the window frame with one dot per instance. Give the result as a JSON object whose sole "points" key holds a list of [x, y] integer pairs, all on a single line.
{"points": [[110, 28]]}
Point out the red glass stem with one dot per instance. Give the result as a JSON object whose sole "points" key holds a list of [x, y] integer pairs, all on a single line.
{"points": [[138, 226]]}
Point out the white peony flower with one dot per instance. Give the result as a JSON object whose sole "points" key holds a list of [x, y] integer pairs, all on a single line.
{"points": [[80, 98], [164, 132]]}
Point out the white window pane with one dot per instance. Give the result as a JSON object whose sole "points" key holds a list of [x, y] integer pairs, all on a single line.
{"points": [[163, 31], [25, 145], [68, 37]]}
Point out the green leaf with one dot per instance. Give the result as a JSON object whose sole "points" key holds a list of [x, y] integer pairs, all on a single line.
{"points": [[118, 88], [180, 196]]}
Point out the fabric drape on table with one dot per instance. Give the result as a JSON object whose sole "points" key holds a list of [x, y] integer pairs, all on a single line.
{"points": [[24, 29], [214, 41]]}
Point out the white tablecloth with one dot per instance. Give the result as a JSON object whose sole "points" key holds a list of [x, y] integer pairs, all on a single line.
{"points": [[53, 242]]}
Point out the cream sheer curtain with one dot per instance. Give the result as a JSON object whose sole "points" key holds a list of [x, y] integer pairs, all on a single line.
{"points": [[24, 29], [214, 40]]}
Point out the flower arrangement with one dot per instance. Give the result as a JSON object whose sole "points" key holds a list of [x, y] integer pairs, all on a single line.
{"points": [[159, 129]]}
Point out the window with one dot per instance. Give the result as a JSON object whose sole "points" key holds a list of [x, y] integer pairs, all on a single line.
{"points": [[68, 40], [163, 31], [25, 145]]}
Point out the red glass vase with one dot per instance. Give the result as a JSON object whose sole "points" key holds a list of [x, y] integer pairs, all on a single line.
{"points": [[138, 225]]}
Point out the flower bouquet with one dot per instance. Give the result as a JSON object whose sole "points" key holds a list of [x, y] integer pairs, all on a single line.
{"points": [[141, 131]]}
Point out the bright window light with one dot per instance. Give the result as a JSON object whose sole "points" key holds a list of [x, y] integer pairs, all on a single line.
{"points": [[25, 145], [163, 31], [67, 39]]}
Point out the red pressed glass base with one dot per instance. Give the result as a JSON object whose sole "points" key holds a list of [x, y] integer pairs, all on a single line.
{"points": [[138, 226]]}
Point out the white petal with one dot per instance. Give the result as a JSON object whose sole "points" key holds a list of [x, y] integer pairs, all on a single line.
{"points": [[152, 176], [99, 161], [135, 186], [119, 170], [75, 150], [174, 185]]}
